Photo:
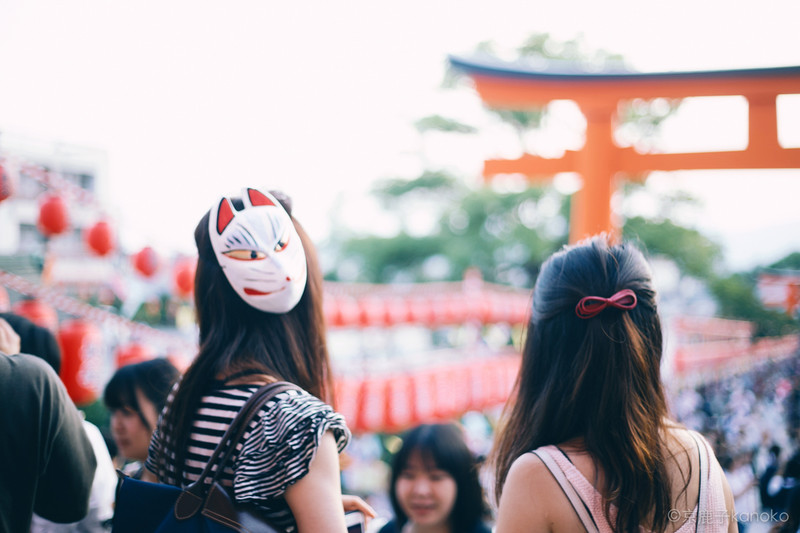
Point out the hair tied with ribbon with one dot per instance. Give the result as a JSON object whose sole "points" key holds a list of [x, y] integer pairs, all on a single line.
{"points": [[591, 306]]}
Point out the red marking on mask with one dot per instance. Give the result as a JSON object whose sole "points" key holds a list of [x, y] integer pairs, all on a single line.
{"points": [[224, 215], [258, 198]]}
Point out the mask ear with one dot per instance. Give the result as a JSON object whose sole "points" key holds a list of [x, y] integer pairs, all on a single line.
{"points": [[258, 198], [224, 215]]}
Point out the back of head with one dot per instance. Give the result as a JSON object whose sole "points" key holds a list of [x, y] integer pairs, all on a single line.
{"points": [[234, 334], [442, 447], [591, 372], [274, 325], [35, 340]]}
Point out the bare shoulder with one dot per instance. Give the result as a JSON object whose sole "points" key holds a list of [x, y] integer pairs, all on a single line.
{"points": [[531, 500], [681, 442]]}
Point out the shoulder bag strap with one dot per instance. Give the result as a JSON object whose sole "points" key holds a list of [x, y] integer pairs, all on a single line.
{"points": [[702, 496], [239, 425], [574, 499]]}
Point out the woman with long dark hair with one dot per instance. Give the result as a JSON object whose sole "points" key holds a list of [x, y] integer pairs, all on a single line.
{"points": [[258, 299], [590, 406]]}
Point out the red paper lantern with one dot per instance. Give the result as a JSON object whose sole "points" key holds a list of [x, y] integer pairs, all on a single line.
{"points": [[100, 238], [372, 311], [53, 215], [132, 353], [81, 360], [7, 184], [183, 277], [348, 398], [400, 403], [37, 312], [146, 261]]}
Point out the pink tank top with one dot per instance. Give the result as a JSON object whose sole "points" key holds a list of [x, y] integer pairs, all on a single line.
{"points": [[710, 515]]}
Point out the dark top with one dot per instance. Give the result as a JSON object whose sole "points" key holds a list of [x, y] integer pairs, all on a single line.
{"points": [[391, 527], [47, 463]]}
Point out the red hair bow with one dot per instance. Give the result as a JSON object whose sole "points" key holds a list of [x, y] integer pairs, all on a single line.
{"points": [[590, 306]]}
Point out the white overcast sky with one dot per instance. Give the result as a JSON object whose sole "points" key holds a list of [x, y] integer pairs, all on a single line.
{"points": [[194, 99]]}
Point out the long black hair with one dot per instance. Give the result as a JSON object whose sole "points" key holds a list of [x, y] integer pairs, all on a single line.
{"points": [[237, 337], [442, 446], [595, 379]]}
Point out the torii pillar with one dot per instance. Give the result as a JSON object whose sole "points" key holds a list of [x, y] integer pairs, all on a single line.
{"points": [[511, 86]]}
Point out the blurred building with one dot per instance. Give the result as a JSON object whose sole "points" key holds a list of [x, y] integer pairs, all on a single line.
{"points": [[78, 174]]}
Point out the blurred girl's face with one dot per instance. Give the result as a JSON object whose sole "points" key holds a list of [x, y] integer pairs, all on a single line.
{"points": [[425, 493], [129, 433]]}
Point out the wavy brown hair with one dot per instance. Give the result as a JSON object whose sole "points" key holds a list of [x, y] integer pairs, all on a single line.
{"points": [[595, 379], [237, 337]]}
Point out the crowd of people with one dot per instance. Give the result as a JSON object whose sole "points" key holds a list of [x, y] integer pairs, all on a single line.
{"points": [[590, 439]]}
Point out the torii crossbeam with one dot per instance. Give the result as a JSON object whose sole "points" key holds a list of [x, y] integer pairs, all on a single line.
{"points": [[516, 86]]}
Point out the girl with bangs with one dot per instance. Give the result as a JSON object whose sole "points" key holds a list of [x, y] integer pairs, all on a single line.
{"points": [[585, 443], [434, 484]]}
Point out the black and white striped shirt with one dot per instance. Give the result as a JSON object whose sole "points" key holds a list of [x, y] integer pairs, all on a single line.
{"points": [[274, 453]]}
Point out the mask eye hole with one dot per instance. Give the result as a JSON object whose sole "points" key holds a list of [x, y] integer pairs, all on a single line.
{"points": [[245, 255], [283, 242]]}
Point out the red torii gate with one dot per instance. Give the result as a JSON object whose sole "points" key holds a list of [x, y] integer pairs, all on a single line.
{"points": [[515, 86]]}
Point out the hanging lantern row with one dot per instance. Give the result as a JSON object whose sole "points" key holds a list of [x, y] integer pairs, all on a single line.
{"points": [[54, 219], [713, 356], [431, 310], [44, 301], [54, 214], [83, 351], [393, 403]]}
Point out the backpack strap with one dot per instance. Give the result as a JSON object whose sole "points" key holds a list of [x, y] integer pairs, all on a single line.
{"points": [[574, 499]]}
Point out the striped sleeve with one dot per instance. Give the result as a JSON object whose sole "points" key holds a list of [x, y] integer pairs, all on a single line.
{"points": [[279, 449]]}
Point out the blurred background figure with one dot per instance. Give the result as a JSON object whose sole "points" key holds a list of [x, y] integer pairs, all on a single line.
{"points": [[738, 468], [434, 484], [47, 464], [135, 396], [40, 342]]}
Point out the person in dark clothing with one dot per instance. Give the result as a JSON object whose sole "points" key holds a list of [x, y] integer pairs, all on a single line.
{"points": [[434, 483], [768, 502], [35, 340], [47, 463]]}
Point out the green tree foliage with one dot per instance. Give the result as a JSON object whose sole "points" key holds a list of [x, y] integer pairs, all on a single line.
{"points": [[695, 254], [736, 298], [440, 123], [505, 235], [790, 262]]}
